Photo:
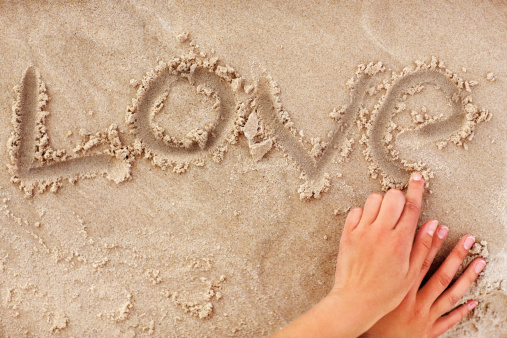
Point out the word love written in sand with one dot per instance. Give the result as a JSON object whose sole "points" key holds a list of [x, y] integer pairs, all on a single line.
{"points": [[254, 110]]}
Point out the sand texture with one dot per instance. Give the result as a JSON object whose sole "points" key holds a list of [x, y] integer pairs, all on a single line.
{"points": [[184, 169]]}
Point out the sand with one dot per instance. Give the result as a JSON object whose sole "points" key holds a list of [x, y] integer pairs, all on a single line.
{"points": [[185, 169]]}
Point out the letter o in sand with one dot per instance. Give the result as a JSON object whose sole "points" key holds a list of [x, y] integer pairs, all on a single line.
{"points": [[168, 151]]}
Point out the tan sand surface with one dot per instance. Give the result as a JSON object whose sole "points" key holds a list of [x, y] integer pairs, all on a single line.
{"points": [[184, 168]]}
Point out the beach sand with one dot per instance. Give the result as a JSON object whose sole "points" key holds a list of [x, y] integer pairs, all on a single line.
{"points": [[185, 169]]}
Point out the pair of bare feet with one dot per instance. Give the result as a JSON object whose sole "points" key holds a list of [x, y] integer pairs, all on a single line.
{"points": [[379, 271]]}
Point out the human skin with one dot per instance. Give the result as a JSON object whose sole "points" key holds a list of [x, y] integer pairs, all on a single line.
{"points": [[422, 313], [379, 269]]}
